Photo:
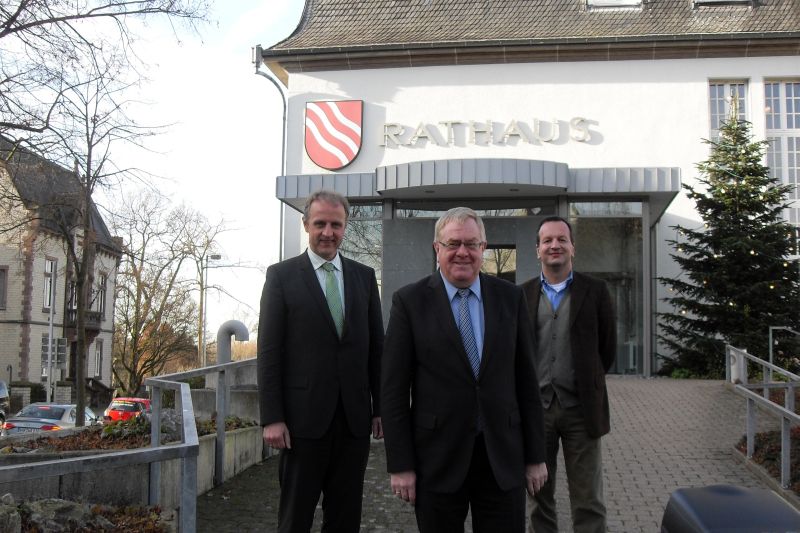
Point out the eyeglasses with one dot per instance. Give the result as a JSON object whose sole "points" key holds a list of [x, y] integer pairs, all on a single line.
{"points": [[455, 245]]}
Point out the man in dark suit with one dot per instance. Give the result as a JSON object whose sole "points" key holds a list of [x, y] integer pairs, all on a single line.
{"points": [[575, 338], [319, 372], [459, 346]]}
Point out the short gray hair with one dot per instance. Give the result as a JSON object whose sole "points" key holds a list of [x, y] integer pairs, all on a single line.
{"points": [[331, 197], [460, 215]]}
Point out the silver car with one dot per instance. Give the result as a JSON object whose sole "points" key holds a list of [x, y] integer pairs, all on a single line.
{"points": [[42, 416]]}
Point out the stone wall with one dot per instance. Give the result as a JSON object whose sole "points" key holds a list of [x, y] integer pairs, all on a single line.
{"points": [[62, 394]]}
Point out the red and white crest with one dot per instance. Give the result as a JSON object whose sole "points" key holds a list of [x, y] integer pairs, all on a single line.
{"points": [[333, 132]]}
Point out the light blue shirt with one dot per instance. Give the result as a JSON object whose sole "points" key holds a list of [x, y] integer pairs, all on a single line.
{"points": [[555, 293], [475, 308], [317, 262]]}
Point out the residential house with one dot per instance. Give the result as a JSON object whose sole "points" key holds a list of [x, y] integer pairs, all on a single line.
{"points": [[37, 287]]}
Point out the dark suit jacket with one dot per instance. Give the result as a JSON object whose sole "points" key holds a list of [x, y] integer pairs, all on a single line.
{"points": [[303, 366], [424, 356], [593, 340]]}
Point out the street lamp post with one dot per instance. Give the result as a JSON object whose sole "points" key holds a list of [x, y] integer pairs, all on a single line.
{"points": [[204, 306]]}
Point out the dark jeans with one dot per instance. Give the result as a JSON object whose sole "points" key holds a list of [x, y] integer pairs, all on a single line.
{"points": [[584, 465]]}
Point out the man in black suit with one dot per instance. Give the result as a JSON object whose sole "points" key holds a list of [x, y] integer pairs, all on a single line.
{"points": [[319, 372], [459, 345], [575, 336]]}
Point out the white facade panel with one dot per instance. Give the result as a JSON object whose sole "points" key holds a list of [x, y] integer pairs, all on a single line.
{"points": [[636, 114]]}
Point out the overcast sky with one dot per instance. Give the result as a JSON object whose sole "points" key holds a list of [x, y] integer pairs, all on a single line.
{"points": [[222, 154]]}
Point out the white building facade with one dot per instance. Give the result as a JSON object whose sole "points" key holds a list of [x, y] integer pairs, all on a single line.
{"points": [[590, 114]]}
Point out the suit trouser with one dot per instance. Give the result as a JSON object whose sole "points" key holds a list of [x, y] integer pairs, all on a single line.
{"points": [[493, 510], [584, 465], [333, 465]]}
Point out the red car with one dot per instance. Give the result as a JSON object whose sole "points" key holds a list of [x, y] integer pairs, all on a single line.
{"points": [[126, 408]]}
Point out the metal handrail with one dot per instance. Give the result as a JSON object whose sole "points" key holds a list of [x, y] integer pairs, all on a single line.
{"points": [[772, 345], [187, 450], [737, 371]]}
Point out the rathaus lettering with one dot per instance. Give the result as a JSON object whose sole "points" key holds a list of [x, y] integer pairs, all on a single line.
{"points": [[463, 132]]}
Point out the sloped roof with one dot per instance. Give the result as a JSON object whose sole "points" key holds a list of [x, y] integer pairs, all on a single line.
{"points": [[40, 182], [376, 27]]}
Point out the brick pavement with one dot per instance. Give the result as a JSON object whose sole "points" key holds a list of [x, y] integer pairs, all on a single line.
{"points": [[665, 434]]}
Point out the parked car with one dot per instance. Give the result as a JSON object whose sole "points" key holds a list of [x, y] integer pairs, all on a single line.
{"points": [[5, 401], [126, 408], [43, 416]]}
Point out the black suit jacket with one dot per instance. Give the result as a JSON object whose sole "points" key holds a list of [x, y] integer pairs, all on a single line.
{"points": [[424, 357], [303, 366], [593, 341]]}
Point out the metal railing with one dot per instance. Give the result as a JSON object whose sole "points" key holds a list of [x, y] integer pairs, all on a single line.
{"points": [[93, 319], [737, 372], [186, 451]]}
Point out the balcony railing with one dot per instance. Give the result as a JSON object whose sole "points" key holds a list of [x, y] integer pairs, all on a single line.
{"points": [[93, 319]]}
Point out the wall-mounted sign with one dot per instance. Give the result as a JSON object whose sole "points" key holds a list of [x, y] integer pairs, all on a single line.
{"points": [[463, 132], [333, 132]]}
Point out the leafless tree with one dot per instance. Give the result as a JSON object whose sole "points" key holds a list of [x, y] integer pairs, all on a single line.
{"points": [[66, 68], [363, 237], [500, 262], [156, 317], [90, 121], [201, 238], [44, 45]]}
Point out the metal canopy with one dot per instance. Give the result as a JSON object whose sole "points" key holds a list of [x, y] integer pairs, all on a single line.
{"points": [[491, 178]]}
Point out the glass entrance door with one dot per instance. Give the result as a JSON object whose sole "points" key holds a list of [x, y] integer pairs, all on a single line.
{"points": [[610, 248]]}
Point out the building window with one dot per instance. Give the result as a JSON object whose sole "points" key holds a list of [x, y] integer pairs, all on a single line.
{"points": [[782, 110], [363, 240], [99, 302], [3, 286], [72, 302], [720, 99], [613, 3], [98, 357], [605, 209], [59, 355], [49, 277], [722, 2]]}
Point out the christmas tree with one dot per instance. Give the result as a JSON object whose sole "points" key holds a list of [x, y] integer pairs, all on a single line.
{"points": [[737, 279]]}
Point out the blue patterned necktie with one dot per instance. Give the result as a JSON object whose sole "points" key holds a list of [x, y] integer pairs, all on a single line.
{"points": [[333, 297], [467, 335]]}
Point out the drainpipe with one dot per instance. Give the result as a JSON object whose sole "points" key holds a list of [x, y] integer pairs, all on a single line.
{"points": [[223, 403], [231, 327], [276, 83]]}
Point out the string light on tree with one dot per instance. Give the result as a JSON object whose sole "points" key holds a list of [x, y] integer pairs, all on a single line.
{"points": [[735, 279]]}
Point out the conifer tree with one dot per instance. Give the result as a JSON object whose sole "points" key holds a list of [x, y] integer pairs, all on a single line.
{"points": [[737, 279]]}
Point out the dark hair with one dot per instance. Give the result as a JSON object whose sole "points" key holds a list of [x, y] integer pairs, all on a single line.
{"points": [[331, 197], [553, 218]]}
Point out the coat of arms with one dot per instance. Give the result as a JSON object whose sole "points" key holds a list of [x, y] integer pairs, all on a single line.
{"points": [[333, 132]]}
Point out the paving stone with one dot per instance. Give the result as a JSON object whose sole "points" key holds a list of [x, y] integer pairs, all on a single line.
{"points": [[665, 434]]}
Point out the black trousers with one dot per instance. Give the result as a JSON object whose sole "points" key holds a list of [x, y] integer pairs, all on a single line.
{"points": [[334, 466], [493, 509]]}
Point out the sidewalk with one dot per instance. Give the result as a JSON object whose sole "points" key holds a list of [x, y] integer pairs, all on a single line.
{"points": [[665, 434]]}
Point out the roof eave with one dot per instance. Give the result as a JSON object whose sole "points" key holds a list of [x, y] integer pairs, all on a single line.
{"points": [[617, 48]]}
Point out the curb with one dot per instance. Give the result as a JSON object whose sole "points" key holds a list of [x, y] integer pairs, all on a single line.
{"points": [[788, 495]]}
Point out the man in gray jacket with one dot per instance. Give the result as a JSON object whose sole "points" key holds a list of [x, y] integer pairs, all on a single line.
{"points": [[575, 340]]}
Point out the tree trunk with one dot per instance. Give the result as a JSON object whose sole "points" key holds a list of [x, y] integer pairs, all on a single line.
{"points": [[83, 282]]}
